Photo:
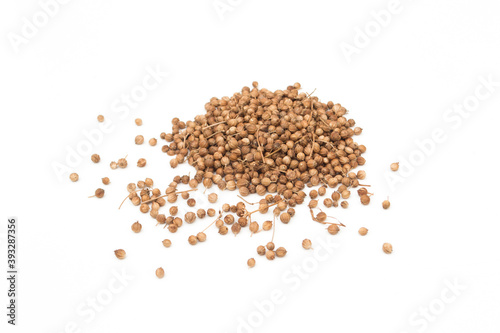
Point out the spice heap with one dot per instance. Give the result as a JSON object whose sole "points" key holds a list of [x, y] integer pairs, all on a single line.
{"points": [[259, 141]]}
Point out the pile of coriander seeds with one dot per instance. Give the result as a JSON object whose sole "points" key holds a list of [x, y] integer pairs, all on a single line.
{"points": [[286, 146]]}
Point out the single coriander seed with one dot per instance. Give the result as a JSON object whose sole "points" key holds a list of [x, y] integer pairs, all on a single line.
{"points": [[138, 121], [139, 140], [363, 231], [270, 246], [251, 262], [386, 204], [105, 180], [192, 240], [95, 158], [136, 227], [166, 242], [100, 118], [74, 177], [387, 248], [152, 142], [160, 273], [120, 254], [281, 252], [261, 250], [333, 229], [270, 255], [307, 244], [201, 236], [395, 166], [141, 163]]}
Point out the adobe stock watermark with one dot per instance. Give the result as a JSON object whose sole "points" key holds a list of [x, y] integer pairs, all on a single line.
{"points": [[291, 281], [421, 319], [453, 118], [363, 36], [31, 26], [88, 309], [121, 107], [222, 7]]}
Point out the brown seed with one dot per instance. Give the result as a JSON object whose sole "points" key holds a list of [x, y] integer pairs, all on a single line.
{"points": [[131, 188], [190, 217], [219, 223], [270, 246], [100, 118], [148, 182], [261, 250], [99, 193], [236, 228], [141, 163], [363, 231], [191, 202], [105, 180], [192, 240], [395, 166], [139, 140], [160, 273], [307, 244], [344, 204], [211, 212], [333, 229], [229, 219], [254, 227], [166, 242], [281, 252], [212, 198], [95, 158], [223, 230], [138, 121], [122, 163], [365, 199], [201, 236], [120, 254], [387, 248], [270, 255], [74, 177], [285, 218], [152, 142], [251, 262], [172, 228], [136, 227], [201, 213], [386, 204], [173, 210], [267, 225]]}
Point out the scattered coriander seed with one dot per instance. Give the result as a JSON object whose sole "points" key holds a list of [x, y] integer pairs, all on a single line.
{"points": [[229, 219], [270, 246], [99, 193], [74, 177], [223, 230], [251, 262], [152, 142], [122, 163], [363, 231], [100, 118], [236, 228], [285, 218], [219, 223], [131, 187], [267, 225], [160, 273], [192, 240], [136, 227], [201, 213], [148, 182], [138, 121], [211, 212], [333, 229], [120, 254], [113, 165], [335, 196], [328, 202], [144, 208], [141, 163], [190, 217], [387, 248], [95, 158], [191, 202], [365, 199], [201, 237], [185, 195], [105, 180], [172, 228], [280, 252], [212, 197], [386, 204], [254, 227], [344, 204], [270, 255], [139, 140], [226, 207], [307, 244], [361, 174], [395, 166], [261, 250], [166, 242]]}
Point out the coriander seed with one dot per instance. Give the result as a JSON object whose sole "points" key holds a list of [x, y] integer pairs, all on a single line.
{"points": [[95, 158], [223, 230], [136, 227], [212, 197], [190, 217], [74, 177], [386, 204], [139, 140], [307, 244], [261, 250], [192, 240], [105, 180], [166, 242], [120, 254], [141, 163], [100, 118], [201, 236], [333, 229], [138, 121], [160, 273], [270, 246], [251, 262], [395, 166], [363, 231], [152, 142], [270, 255], [387, 248], [281, 252]]}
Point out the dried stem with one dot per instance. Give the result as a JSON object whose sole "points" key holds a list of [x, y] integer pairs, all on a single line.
{"points": [[166, 195], [246, 201], [127, 197], [222, 122]]}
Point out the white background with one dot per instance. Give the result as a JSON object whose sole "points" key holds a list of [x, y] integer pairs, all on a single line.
{"points": [[442, 223]]}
